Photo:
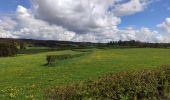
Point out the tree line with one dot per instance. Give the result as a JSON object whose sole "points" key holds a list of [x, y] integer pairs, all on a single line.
{"points": [[137, 44]]}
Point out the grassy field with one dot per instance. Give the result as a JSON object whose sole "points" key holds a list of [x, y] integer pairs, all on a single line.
{"points": [[25, 76]]}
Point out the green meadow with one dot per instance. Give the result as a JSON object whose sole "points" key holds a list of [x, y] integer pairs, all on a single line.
{"points": [[25, 76]]}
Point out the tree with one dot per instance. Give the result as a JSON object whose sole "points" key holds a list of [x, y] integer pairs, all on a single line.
{"points": [[7, 49], [22, 46]]}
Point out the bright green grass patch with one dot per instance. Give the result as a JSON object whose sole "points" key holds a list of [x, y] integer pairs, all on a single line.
{"points": [[26, 77]]}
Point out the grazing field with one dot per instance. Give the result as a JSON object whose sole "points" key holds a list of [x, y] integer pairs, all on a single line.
{"points": [[26, 76]]}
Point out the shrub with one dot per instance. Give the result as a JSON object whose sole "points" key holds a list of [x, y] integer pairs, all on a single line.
{"points": [[143, 85], [7, 49], [52, 59]]}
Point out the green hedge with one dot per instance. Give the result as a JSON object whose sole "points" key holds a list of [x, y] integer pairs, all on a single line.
{"points": [[52, 59], [141, 85]]}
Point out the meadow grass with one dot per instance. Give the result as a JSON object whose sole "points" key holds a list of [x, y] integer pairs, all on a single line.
{"points": [[25, 76]]}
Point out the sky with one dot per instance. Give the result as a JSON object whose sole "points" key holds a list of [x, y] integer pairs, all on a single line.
{"points": [[86, 20]]}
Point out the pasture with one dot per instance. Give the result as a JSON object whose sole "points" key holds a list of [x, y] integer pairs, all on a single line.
{"points": [[25, 76]]}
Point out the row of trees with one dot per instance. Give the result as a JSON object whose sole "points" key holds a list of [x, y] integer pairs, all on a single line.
{"points": [[23, 43], [139, 44]]}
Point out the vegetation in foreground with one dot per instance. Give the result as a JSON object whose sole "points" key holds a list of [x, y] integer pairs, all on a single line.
{"points": [[25, 77], [139, 85]]}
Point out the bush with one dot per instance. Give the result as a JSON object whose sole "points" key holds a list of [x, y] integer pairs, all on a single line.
{"points": [[52, 59], [7, 50], [22, 46], [143, 85]]}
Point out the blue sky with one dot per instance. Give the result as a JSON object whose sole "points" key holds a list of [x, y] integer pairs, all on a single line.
{"points": [[9, 6], [147, 20], [154, 14]]}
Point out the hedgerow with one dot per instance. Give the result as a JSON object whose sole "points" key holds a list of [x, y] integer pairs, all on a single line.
{"points": [[138, 85], [53, 59]]}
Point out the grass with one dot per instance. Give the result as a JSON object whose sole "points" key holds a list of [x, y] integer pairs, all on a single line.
{"points": [[25, 76]]}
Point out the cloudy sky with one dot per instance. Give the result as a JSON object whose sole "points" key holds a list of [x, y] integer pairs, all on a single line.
{"points": [[86, 20]]}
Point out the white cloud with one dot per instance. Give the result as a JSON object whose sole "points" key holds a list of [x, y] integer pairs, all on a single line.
{"points": [[7, 26], [85, 38], [131, 7], [143, 34], [80, 16], [78, 20], [7, 23], [165, 25], [30, 27], [6, 34]]}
